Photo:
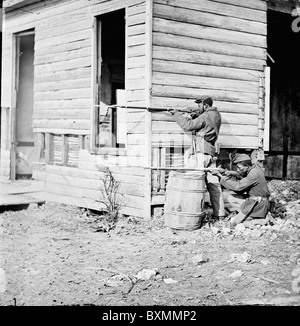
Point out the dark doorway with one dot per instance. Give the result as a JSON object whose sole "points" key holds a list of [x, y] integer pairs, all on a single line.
{"points": [[111, 77], [283, 45], [24, 137]]}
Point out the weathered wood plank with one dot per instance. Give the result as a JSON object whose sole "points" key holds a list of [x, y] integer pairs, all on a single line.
{"points": [[97, 165], [255, 4], [199, 17], [136, 30], [67, 29], [62, 104], [221, 8], [183, 80], [192, 93], [230, 141], [92, 184], [58, 49], [136, 62], [88, 203], [223, 106], [63, 94], [64, 65], [82, 124], [133, 73], [63, 75], [188, 68], [136, 19], [135, 40], [135, 84], [135, 95], [136, 51], [181, 55], [209, 33], [62, 39], [62, 85], [62, 131], [225, 141], [136, 9], [196, 43], [128, 200], [82, 113], [95, 175], [226, 129], [64, 56], [229, 118]]}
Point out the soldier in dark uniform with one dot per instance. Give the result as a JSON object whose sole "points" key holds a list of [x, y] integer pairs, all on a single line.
{"points": [[205, 126], [253, 186]]}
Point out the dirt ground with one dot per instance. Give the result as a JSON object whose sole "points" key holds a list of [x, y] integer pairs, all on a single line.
{"points": [[61, 255]]}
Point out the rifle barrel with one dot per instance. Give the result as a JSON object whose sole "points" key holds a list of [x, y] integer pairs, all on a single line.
{"points": [[148, 108]]}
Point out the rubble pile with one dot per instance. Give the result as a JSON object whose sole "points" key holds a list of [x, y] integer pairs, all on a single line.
{"points": [[286, 195], [285, 219]]}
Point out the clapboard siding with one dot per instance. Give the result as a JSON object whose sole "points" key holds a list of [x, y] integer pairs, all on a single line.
{"points": [[213, 59], [166, 36], [187, 68], [227, 118], [62, 104], [209, 33], [196, 81], [62, 113], [209, 47], [83, 51], [223, 106], [192, 93], [223, 8], [82, 124], [61, 85], [66, 75], [197, 16]]}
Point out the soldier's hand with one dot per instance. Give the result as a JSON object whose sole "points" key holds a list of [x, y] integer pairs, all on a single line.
{"points": [[172, 111], [221, 170], [232, 174]]}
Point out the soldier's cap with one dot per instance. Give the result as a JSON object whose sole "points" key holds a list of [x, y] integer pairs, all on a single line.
{"points": [[241, 158], [204, 99]]}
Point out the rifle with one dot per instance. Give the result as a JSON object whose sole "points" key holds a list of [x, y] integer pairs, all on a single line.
{"points": [[158, 109]]}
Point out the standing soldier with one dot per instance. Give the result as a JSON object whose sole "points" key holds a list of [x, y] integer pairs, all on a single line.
{"points": [[205, 126]]}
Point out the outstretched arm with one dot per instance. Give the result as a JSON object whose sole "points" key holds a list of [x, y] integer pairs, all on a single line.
{"points": [[189, 124], [239, 185]]}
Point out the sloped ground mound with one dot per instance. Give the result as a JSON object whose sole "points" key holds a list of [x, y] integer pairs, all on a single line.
{"points": [[62, 255]]}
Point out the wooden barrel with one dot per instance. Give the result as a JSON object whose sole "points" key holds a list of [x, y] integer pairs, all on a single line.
{"points": [[185, 198]]}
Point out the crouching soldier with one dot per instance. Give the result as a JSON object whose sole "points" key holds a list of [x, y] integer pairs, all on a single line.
{"points": [[252, 186]]}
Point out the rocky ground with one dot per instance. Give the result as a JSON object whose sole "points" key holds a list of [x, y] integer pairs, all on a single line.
{"points": [[62, 255]]}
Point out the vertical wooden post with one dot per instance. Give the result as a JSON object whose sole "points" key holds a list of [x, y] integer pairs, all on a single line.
{"points": [[81, 142], [64, 145], [267, 85], [96, 30], [261, 113], [148, 117], [13, 111], [48, 147], [5, 144], [163, 172], [155, 174]]}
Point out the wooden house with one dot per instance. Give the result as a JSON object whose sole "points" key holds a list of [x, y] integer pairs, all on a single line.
{"points": [[66, 61]]}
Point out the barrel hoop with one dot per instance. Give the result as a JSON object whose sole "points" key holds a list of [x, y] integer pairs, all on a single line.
{"points": [[191, 191], [202, 214]]}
